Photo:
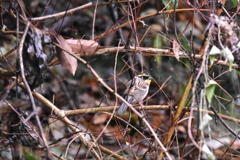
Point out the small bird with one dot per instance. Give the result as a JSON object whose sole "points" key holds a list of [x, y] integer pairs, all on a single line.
{"points": [[136, 91]]}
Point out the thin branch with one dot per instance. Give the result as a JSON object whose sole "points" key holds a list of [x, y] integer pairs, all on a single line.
{"points": [[113, 29], [108, 122], [149, 107], [88, 5], [202, 70], [120, 97], [61, 115], [94, 19], [224, 123], [148, 51], [62, 13], [20, 49], [111, 108]]}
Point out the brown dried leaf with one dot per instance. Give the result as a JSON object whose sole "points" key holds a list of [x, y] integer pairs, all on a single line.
{"points": [[176, 49], [67, 61], [100, 118], [181, 128], [83, 47]]}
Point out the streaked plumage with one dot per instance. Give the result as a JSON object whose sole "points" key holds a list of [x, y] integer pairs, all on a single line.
{"points": [[136, 91]]}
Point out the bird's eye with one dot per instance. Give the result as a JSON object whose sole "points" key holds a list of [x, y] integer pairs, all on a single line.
{"points": [[144, 77]]}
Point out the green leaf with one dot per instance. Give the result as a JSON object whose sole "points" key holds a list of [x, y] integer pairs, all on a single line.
{"points": [[235, 3], [157, 43], [29, 155], [165, 2], [211, 58], [170, 4], [210, 90], [185, 44]]}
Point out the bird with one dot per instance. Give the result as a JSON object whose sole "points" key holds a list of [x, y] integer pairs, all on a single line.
{"points": [[136, 91]]}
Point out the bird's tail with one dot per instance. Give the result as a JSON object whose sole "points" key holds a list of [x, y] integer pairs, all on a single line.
{"points": [[122, 109]]}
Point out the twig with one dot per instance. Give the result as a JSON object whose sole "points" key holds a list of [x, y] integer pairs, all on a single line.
{"points": [[149, 107], [20, 49], [111, 108], [94, 19], [179, 112], [74, 138], [24, 121], [62, 13], [202, 70], [61, 115], [113, 29], [225, 124], [147, 51], [120, 97], [4, 93], [108, 122]]}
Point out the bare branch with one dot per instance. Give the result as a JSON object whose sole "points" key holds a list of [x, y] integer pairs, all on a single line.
{"points": [[62, 13]]}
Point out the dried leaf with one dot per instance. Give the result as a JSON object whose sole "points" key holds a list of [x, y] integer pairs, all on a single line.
{"points": [[83, 47], [35, 60], [67, 61], [100, 119], [181, 128], [56, 128], [176, 49]]}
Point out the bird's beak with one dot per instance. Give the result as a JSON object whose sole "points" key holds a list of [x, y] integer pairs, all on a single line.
{"points": [[148, 80]]}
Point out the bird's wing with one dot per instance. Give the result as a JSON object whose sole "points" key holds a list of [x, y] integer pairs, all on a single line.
{"points": [[130, 86]]}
